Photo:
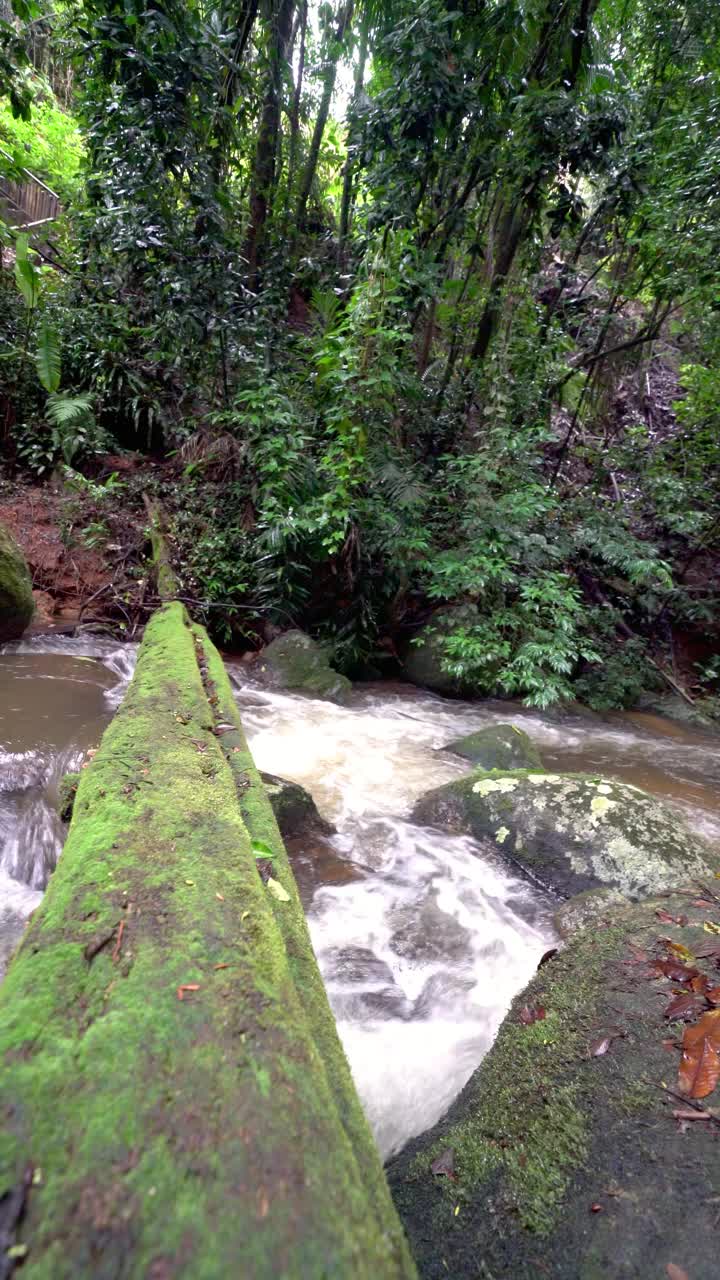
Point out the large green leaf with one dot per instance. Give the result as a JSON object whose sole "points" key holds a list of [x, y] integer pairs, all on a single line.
{"points": [[47, 357], [26, 277]]}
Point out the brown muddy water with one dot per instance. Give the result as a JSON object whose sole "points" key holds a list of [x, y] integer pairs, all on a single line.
{"points": [[423, 938]]}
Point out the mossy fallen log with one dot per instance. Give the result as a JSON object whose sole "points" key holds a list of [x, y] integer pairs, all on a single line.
{"points": [[174, 1097]]}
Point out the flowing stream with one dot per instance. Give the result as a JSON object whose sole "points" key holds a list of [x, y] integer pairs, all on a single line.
{"points": [[423, 938]]}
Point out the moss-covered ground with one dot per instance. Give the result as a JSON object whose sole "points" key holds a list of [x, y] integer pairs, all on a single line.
{"points": [[171, 1072]]}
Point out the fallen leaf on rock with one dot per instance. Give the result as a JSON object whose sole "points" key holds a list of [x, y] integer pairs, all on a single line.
{"points": [[600, 1046], [683, 1006], [596, 1208], [675, 1272], [700, 1063], [277, 890], [713, 995], [444, 1164], [675, 970], [187, 986], [531, 1013], [700, 984], [679, 951], [547, 955], [710, 927], [638, 955], [710, 952]]}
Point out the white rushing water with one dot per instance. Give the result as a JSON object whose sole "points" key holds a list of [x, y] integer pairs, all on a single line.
{"points": [[423, 938]]}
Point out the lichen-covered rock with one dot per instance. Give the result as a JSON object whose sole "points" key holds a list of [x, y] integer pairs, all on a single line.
{"points": [[295, 661], [572, 832], [16, 599], [500, 746], [295, 810], [593, 907], [562, 1156]]}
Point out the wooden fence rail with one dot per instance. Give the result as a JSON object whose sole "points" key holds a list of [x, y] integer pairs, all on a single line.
{"points": [[24, 205]]}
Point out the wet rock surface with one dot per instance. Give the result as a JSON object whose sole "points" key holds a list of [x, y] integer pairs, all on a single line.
{"points": [[500, 746], [295, 661], [572, 832]]}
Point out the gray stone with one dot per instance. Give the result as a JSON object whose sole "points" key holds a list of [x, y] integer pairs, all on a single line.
{"points": [[572, 832], [295, 810], [425, 656], [295, 661], [500, 746]]}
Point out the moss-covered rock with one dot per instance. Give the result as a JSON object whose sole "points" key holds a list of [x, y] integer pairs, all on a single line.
{"points": [[296, 661], [170, 1064], [562, 1154], [572, 832], [424, 659], [16, 598], [67, 792], [295, 810], [500, 746], [594, 907]]}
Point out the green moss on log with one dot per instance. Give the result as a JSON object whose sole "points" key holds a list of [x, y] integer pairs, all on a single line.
{"points": [[170, 1063]]}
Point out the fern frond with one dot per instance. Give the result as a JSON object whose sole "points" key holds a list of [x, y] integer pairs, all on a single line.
{"points": [[62, 410]]}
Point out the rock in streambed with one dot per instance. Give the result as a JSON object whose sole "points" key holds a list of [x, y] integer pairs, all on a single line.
{"points": [[572, 832]]}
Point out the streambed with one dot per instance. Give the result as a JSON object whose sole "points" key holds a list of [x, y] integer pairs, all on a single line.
{"points": [[423, 938]]}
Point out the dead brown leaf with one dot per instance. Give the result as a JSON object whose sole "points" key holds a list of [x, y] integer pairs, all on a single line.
{"points": [[675, 970], [187, 986], [683, 1006], [444, 1164], [531, 1013], [699, 1071], [675, 1272]]}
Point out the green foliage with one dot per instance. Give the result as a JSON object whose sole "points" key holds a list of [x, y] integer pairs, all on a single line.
{"points": [[48, 142]]}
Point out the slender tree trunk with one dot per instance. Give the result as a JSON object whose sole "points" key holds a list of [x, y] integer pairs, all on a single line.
{"points": [[556, 60], [343, 21], [295, 109], [264, 174], [348, 183]]}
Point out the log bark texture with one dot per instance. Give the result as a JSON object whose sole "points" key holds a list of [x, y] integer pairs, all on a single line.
{"points": [[174, 1097]]}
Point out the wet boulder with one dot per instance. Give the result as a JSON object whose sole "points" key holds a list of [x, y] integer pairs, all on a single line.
{"points": [[425, 661], [500, 746], [572, 832], [295, 661], [295, 810], [572, 1152], [67, 791], [16, 598]]}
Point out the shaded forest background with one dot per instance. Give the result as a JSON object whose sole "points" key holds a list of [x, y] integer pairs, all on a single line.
{"points": [[399, 308]]}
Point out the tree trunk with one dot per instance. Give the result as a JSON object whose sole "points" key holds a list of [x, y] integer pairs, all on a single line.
{"points": [[347, 192], [175, 1097], [295, 111], [343, 21], [263, 181]]}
